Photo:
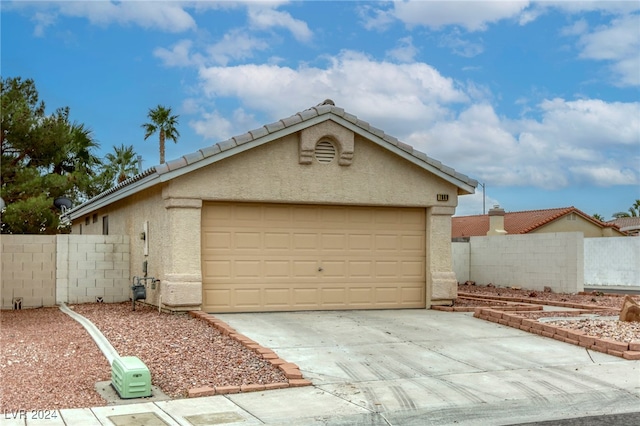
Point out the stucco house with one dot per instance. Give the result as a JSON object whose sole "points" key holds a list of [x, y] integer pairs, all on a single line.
{"points": [[630, 225], [563, 219], [316, 211]]}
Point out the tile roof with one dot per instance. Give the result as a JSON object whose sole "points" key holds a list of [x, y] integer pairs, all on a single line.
{"points": [[514, 222], [627, 224], [323, 111]]}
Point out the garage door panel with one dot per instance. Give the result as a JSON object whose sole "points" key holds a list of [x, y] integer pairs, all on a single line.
{"points": [[412, 295], [305, 242], [277, 241], [248, 269], [412, 243], [216, 269], [360, 242], [305, 297], [412, 269], [248, 298], [268, 257], [305, 269], [334, 296], [360, 296], [334, 269], [361, 269], [277, 269], [277, 297], [248, 241]]}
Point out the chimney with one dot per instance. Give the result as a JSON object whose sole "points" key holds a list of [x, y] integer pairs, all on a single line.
{"points": [[496, 221]]}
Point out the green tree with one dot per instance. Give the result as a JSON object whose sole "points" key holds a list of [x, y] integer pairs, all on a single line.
{"points": [[165, 124], [598, 217], [43, 157], [122, 163], [634, 211]]}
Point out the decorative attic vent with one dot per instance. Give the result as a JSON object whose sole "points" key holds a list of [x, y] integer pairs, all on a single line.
{"points": [[325, 152]]}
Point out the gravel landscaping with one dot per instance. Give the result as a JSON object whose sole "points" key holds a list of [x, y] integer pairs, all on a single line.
{"points": [[48, 361], [601, 322]]}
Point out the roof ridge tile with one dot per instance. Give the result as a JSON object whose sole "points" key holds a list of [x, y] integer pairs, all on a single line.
{"points": [[243, 138]]}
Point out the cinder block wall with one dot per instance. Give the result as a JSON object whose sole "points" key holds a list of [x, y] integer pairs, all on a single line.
{"points": [[530, 261], [28, 270], [461, 256], [97, 266], [45, 270], [612, 261]]}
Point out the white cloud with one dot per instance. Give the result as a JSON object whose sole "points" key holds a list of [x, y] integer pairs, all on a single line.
{"points": [[473, 204], [179, 55], [460, 46], [472, 15], [619, 44], [43, 20], [266, 18], [588, 142], [235, 45], [165, 16], [405, 50], [389, 95], [214, 126], [605, 175]]}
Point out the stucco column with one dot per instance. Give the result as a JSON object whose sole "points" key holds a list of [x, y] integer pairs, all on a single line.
{"points": [[442, 285], [181, 286]]}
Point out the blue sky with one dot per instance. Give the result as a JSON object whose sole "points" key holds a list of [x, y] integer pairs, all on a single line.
{"points": [[540, 101]]}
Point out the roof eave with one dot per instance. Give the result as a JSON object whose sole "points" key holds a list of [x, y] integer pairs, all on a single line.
{"points": [[126, 191]]}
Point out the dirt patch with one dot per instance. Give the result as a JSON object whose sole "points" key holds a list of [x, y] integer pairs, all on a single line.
{"points": [[48, 361]]}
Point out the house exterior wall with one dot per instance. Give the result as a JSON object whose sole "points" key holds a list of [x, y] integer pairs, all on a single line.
{"points": [[128, 217], [612, 262], [273, 173], [529, 261], [28, 270], [575, 223]]}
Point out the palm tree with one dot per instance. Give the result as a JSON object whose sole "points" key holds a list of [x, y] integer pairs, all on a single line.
{"points": [[122, 164], [635, 209], [598, 217], [164, 123]]}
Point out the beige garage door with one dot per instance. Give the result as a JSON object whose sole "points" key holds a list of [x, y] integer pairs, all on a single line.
{"points": [[276, 257]]}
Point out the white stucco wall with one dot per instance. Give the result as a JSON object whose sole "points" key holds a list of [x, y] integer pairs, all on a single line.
{"points": [[612, 261], [530, 261], [461, 257]]}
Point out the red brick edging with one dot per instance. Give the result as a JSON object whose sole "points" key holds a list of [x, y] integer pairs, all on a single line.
{"points": [[629, 351], [291, 371]]}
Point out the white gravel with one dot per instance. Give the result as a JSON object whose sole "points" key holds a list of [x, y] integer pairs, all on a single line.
{"points": [[48, 361], [620, 331]]}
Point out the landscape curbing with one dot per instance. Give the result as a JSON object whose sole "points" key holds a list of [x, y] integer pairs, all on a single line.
{"points": [[290, 370], [630, 351]]}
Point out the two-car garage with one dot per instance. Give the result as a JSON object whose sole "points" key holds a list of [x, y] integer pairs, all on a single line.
{"points": [[280, 257], [316, 211]]}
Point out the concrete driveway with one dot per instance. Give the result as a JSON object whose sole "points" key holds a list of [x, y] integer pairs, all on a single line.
{"points": [[406, 367]]}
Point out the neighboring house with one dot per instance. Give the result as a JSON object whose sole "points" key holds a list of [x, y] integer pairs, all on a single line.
{"points": [[316, 211], [565, 219], [629, 225]]}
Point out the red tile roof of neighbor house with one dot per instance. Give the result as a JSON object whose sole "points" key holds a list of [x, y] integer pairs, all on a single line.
{"points": [[627, 224], [515, 222]]}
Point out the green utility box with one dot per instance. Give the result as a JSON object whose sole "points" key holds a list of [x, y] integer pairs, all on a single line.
{"points": [[130, 377]]}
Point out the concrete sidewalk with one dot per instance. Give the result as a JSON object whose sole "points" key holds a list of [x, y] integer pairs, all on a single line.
{"points": [[407, 367]]}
